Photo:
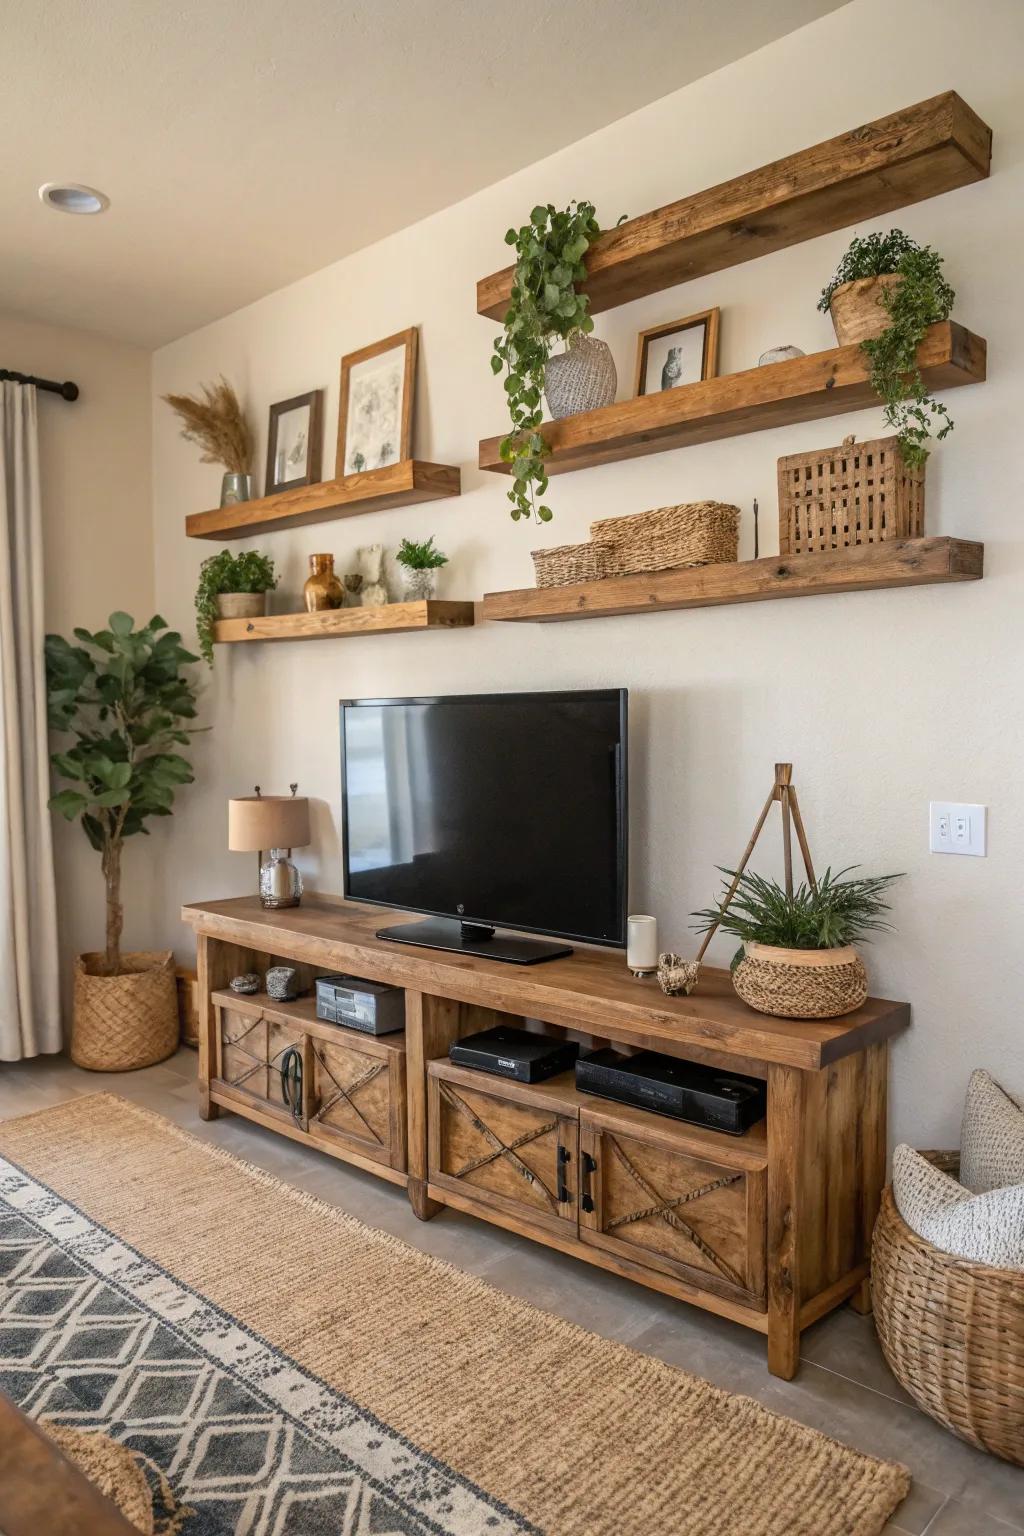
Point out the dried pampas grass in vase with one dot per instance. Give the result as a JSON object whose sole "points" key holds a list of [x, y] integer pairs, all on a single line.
{"points": [[214, 420]]}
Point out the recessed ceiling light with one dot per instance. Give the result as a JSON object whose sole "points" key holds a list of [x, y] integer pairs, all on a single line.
{"points": [[73, 197]]}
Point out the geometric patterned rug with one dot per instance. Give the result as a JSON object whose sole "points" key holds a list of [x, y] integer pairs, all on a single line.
{"points": [[93, 1335]]}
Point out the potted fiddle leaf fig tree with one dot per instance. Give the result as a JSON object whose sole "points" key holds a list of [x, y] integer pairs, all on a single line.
{"points": [[125, 698]]}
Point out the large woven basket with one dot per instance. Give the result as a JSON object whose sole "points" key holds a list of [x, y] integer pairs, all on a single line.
{"points": [[692, 533], [127, 1021], [568, 563], [952, 1331], [855, 493], [801, 983]]}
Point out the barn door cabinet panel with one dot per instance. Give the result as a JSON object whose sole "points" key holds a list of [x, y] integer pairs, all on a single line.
{"points": [[359, 1096]]}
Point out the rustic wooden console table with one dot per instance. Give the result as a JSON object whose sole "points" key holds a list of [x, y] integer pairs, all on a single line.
{"points": [[771, 1229]]}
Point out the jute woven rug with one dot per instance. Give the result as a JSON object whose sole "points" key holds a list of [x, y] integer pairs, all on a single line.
{"points": [[292, 1371]]}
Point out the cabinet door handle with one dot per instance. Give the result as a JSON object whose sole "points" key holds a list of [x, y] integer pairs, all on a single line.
{"points": [[291, 1081], [564, 1192], [589, 1166]]}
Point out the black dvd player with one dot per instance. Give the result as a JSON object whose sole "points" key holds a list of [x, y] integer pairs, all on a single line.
{"points": [[723, 1101], [517, 1053]]}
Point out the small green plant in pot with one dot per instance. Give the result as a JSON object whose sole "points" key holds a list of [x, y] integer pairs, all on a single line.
{"points": [[546, 308], [126, 698], [420, 564], [797, 958], [886, 292], [231, 587]]}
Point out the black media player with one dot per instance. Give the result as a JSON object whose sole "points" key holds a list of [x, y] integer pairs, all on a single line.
{"points": [[685, 1090], [517, 1053]]}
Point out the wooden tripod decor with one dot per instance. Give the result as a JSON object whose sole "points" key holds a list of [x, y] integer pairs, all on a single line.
{"points": [[678, 975]]}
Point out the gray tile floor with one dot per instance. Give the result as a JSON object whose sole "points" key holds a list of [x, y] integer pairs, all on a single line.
{"points": [[843, 1386]]}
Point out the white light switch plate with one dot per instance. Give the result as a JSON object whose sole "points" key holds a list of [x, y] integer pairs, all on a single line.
{"points": [[956, 828]]}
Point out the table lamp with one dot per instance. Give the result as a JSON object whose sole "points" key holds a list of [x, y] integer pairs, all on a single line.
{"points": [[277, 824]]}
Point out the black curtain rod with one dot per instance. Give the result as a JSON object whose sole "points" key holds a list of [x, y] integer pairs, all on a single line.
{"points": [[67, 390]]}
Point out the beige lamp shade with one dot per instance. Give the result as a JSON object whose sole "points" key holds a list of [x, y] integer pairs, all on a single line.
{"points": [[268, 821]]}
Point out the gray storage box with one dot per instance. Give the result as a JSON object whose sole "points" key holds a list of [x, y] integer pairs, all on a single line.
{"points": [[369, 1006]]}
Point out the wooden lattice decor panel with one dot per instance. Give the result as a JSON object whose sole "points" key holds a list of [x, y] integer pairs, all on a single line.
{"points": [[358, 1096], [252, 1046], [858, 493]]}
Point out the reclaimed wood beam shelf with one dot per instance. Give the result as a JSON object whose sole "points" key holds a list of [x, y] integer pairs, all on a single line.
{"points": [[862, 568], [920, 152], [375, 490], [389, 619], [800, 389]]}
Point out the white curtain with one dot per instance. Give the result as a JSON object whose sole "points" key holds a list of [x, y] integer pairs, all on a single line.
{"points": [[29, 994]]}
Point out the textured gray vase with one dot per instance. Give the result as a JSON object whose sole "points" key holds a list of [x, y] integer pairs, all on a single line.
{"points": [[581, 379], [235, 488]]}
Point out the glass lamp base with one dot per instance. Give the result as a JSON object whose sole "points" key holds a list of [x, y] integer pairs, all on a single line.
{"points": [[280, 881]]}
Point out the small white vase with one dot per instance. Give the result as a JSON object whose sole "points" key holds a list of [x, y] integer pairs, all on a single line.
{"points": [[420, 585]]}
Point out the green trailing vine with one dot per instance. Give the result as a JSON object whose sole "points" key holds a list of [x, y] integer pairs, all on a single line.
{"points": [[923, 298], [224, 572], [545, 308]]}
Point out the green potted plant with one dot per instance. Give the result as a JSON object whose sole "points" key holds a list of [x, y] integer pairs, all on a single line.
{"points": [[797, 959], [215, 420], [420, 564], [231, 587], [125, 698], [886, 292], [546, 308]]}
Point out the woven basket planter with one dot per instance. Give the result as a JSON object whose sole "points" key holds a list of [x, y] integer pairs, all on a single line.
{"points": [[856, 493], [856, 308], [692, 533], [568, 563], [127, 1021], [801, 983], [952, 1331]]}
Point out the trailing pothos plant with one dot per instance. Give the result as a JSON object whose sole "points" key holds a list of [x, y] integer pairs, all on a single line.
{"points": [[123, 695], [248, 571], [545, 308], [922, 299]]}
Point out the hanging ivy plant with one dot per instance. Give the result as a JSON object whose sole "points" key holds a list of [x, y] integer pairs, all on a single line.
{"points": [[922, 299], [545, 308]]}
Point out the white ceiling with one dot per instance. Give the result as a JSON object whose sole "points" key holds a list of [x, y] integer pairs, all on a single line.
{"points": [[246, 143]]}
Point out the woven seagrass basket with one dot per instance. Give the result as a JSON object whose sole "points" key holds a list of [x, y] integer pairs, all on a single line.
{"points": [[568, 563], [801, 983], [951, 1330], [692, 533], [855, 493], [127, 1021]]}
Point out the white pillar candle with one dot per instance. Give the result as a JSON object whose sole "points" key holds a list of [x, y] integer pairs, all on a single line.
{"points": [[642, 944]]}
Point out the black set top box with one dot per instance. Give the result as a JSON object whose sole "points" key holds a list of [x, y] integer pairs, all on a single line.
{"points": [[723, 1101], [515, 1053]]}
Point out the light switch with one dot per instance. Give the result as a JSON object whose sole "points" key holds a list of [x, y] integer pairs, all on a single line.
{"points": [[954, 828]]}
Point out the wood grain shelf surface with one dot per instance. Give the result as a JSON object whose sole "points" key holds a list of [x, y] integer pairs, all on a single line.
{"points": [[390, 619], [864, 568], [799, 389], [917, 153], [375, 490]]}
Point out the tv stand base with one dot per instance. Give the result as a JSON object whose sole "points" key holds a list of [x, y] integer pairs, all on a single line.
{"points": [[469, 939]]}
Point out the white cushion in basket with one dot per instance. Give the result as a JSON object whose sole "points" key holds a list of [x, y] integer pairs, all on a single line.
{"points": [[991, 1137], [988, 1228]]}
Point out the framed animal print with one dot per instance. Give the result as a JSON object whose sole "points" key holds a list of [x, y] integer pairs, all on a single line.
{"points": [[294, 442], [375, 417], [682, 352]]}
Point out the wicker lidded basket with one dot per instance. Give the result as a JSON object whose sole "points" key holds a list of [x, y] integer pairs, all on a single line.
{"points": [[124, 1022], [855, 493], [691, 533], [951, 1330], [568, 563]]}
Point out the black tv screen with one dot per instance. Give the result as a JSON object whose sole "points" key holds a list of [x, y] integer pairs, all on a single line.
{"points": [[506, 810]]}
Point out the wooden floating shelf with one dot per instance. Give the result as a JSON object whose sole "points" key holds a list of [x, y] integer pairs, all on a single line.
{"points": [[375, 490], [930, 148], [864, 568], [800, 389], [391, 619]]}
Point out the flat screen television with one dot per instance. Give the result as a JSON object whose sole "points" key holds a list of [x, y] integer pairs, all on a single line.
{"points": [[489, 811]]}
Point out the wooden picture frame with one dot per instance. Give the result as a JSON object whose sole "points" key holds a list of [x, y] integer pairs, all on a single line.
{"points": [[708, 319], [313, 404], [377, 405]]}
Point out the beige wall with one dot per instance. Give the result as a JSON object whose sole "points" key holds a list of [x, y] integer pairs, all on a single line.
{"points": [[95, 470], [882, 700]]}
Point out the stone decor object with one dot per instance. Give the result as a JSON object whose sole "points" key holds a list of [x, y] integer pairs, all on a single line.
{"points": [[245, 984], [991, 1136], [677, 977], [370, 560], [582, 378], [281, 983], [779, 355]]}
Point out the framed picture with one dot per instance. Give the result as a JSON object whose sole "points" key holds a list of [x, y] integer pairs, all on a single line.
{"points": [[375, 416], [682, 352], [294, 441]]}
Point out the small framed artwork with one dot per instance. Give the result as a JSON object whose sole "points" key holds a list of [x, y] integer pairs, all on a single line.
{"points": [[294, 441], [378, 385], [682, 352]]}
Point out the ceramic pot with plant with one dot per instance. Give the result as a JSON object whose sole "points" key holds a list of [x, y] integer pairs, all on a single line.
{"points": [[231, 587], [125, 697], [420, 564], [798, 959], [546, 308], [886, 292], [214, 419]]}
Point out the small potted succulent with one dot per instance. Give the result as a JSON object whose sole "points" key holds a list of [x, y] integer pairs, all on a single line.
{"points": [[214, 419], [797, 959], [231, 587], [420, 564], [886, 292]]}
